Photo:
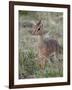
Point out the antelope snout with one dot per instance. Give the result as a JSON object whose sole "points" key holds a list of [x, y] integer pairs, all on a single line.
{"points": [[32, 32]]}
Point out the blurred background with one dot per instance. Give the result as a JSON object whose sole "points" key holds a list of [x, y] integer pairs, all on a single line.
{"points": [[28, 53]]}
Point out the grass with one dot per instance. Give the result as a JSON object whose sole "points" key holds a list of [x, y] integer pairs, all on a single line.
{"points": [[27, 64], [28, 67], [28, 58]]}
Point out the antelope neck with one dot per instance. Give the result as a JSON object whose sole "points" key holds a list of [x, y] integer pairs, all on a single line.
{"points": [[40, 39]]}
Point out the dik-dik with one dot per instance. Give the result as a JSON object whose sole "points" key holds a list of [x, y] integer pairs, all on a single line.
{"points": [[46, 47]]}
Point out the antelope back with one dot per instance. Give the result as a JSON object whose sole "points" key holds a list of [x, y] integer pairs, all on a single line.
{"points": [[49, 47]]}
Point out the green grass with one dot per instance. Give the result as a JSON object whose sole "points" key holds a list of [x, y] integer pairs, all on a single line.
{"points": [[27, 63], [28, 66]]}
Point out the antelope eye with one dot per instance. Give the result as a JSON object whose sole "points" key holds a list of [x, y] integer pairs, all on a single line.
{"points": [[38, 29]]}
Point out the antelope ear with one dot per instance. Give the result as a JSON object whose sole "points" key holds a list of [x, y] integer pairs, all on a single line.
{"points": [[39, 22]]}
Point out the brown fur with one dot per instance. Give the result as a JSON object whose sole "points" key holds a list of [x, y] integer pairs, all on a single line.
{"points": [[45, 47]]}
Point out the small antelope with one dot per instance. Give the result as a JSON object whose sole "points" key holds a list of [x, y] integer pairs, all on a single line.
{"points": [[45, 47]]}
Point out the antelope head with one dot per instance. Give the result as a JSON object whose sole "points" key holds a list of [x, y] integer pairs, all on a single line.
{"points": [[37, 28]]}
